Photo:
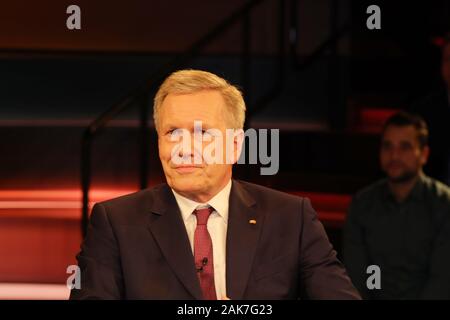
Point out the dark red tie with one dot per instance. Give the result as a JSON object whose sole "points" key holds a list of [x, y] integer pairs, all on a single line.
{"points": [[203, 254]]}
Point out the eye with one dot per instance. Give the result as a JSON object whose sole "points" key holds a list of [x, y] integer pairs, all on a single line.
{"points": [[174, 133], [198, 131], [207, 134], [406, 146]]}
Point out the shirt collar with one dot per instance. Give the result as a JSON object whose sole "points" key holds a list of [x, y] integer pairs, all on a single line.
{"points": [[417, 192], [219, 202]]}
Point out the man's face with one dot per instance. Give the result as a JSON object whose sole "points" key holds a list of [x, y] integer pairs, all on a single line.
{"points": [[401, 155], [196, 181], [445, 66]]}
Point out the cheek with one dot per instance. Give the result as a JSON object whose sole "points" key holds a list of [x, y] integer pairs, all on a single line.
{"points": [[215, 171], [165, 149], [411, 160], [420, 159]]}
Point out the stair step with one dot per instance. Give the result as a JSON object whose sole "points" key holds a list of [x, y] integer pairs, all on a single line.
{"points": [[33, 291]]}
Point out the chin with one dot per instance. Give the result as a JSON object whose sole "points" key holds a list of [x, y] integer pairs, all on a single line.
{"points": [[394, 176], [186, 185], [404, 177]]}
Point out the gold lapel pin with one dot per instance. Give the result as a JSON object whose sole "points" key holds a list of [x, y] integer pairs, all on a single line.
{"points": [[252, 221]]}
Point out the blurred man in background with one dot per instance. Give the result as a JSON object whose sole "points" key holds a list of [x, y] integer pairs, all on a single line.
{"points": [[402, 223]]}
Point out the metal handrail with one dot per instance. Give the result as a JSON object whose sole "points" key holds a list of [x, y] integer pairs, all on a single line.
{"points": [[141, 95]]}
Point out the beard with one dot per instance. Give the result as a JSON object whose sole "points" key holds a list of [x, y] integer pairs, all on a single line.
{"points": [[405, 176]]}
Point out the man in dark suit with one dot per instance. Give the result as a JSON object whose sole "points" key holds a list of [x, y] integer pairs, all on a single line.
{"points": [[204, 235]]}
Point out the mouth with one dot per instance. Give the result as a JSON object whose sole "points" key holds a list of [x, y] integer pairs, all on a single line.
{"points": [[395, 166], [186, 169]]}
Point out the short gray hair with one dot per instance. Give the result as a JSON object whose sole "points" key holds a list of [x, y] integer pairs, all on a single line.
{"points": [[191, 81]]}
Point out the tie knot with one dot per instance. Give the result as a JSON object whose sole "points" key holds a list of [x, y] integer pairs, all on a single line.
{"points": [[203, 215]]}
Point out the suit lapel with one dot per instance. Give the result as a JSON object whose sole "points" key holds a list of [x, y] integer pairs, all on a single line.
{"points": [[242, 240], [170, 233]]}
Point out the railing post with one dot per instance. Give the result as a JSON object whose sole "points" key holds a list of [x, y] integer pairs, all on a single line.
{"points": [[335, 103], [293, 31], [142, 95], [85, 179], [280, 57], [281, 43], [245, 57], [144, 140]]}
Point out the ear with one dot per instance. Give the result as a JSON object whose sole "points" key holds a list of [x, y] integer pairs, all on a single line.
{"points": [[238, 141], [425, 155]]}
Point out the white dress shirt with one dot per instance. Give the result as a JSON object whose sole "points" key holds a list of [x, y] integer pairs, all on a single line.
{"points": [[217, 228]]}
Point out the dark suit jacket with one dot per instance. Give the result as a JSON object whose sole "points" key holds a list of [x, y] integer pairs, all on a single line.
{"points": [[137, 248]]}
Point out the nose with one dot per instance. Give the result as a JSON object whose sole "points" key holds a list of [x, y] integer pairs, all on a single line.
{"points": [[190, 150], [396, 154]]}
